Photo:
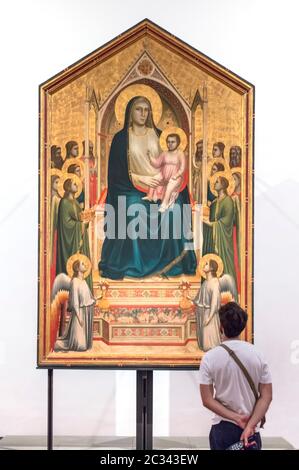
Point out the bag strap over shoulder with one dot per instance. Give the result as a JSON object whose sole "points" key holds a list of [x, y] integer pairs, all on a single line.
{"points": [[246, 373]]}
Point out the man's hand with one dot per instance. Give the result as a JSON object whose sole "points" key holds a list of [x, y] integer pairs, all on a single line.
{"points": [[214, 405], [259, 411], [248, 431], [242, 421]]}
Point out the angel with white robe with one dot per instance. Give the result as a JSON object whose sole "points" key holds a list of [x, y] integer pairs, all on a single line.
{"points": [[208, 303], [81, 302]]}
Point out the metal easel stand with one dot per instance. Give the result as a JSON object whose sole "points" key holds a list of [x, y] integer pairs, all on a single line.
{"points": [[50, 411], [144, 410]]}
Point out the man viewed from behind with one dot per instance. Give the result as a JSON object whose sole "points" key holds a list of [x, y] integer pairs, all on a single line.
{"points": [[225, 389]]}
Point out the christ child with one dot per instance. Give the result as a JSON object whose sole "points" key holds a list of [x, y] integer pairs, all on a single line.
{"points": [[171, 165]]}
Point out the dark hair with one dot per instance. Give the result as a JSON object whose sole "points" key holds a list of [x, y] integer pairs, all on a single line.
{"points": [[232, 161], [178, 139], [53, 150], [76, 266], [53, 179], [67, 185], [224, 183], [220, 145], [237, 149], [72, 168], [213, 265], [233, 319], [90, 143], [219, 166], [68, 147]]}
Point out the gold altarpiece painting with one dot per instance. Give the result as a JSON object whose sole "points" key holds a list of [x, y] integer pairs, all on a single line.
{"points": [[145, 208]]}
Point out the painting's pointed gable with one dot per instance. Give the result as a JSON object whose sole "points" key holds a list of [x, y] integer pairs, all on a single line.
{"points": [[144, 30]]}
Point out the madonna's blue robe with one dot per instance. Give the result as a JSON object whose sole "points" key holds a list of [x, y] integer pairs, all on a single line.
{"points": [[141, 257]]}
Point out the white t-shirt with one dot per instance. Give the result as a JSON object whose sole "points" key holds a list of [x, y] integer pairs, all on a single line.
{"points": [[230, 384]]}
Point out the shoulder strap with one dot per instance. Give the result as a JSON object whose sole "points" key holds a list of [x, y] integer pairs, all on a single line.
{"points": [[246, 373]]}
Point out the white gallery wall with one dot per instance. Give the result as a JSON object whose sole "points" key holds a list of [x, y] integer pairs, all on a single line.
{"points": [[258, 40]]}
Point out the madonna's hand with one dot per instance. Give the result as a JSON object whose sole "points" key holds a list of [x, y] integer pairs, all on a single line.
{"points": [[150, 181]]}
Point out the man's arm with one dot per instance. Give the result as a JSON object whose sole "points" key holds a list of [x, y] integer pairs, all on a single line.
{"points": [[209, 402], [259, 411]]}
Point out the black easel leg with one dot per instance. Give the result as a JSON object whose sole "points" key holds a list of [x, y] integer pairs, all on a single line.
{"points": [[144, 410], [50, 410]]}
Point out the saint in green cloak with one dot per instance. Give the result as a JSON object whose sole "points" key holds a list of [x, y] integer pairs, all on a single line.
{"points": [[218, 230], [72, 235]]}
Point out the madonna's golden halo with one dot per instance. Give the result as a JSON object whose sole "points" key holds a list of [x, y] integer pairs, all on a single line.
{"points": [[212, 162], [73, 161], [71, 176], [173, 130], [226, 174], [138, 90], [206, 259], [76, 257]]}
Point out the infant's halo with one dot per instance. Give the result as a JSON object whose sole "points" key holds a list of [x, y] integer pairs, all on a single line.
{"points": [[173, 130]]}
